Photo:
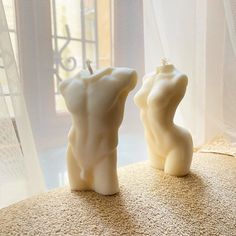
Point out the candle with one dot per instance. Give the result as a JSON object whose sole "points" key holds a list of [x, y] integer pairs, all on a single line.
{"points": [[169, 146], [96, 103]]}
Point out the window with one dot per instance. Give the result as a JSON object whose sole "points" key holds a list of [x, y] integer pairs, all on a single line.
{"points": [[55, 39], [75, 38], [9, 8]]}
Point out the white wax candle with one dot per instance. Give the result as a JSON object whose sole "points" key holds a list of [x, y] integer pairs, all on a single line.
{"points": [[170, 147], [96, 103]]}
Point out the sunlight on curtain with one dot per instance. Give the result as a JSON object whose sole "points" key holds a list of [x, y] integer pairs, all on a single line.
{"points": [[193, 36], [20, 174]]}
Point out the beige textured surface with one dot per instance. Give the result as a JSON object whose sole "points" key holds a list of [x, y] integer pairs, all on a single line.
{"points": [[149, 203], [221, 145]]}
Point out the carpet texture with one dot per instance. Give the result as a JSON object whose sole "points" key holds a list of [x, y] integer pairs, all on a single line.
{"points": [[149, 203]]}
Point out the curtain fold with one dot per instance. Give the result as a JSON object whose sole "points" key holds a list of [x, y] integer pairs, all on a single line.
{"points": [[230, 15], [192, 35], [20, 173]]}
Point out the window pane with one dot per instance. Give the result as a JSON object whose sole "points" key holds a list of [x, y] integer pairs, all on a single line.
{"points": [[5, 89], [9, 8], [89, 19], [3, 79], [66, 13], [104, 31], [75, 38]]}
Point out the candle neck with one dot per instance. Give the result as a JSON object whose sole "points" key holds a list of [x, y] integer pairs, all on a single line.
{"points": [[165, 69]]}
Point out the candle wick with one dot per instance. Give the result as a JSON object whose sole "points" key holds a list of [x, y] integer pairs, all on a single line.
{"points": [[164, 61], [88, 63]]}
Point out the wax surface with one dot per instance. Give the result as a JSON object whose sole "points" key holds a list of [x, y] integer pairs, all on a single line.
{"points": [[170, 147], [96, 103]]}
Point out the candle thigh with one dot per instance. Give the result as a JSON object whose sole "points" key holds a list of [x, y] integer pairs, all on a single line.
{"points": [[96, 103], [169, 146]]}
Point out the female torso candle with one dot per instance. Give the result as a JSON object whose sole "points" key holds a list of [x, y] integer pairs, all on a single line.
{"points": [[96, 103], [169, 146]]}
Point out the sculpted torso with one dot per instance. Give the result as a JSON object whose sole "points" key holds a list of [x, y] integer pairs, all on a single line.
{"points": [[96, 103], [169, 146]]}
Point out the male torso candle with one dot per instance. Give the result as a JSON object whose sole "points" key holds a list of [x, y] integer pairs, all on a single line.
{"points": [[96, 103], [170, 147]]}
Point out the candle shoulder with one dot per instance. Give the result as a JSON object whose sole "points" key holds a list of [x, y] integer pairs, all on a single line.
{"points": [[164, 90], [125, 78], [159, 88], [98, 92]]}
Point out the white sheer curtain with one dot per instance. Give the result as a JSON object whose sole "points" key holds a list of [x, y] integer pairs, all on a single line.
{"points": [[20, 174], [194, 36]]}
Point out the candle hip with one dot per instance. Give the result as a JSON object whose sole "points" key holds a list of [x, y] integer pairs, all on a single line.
{"points": [[96, 103], [169, 146]]}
